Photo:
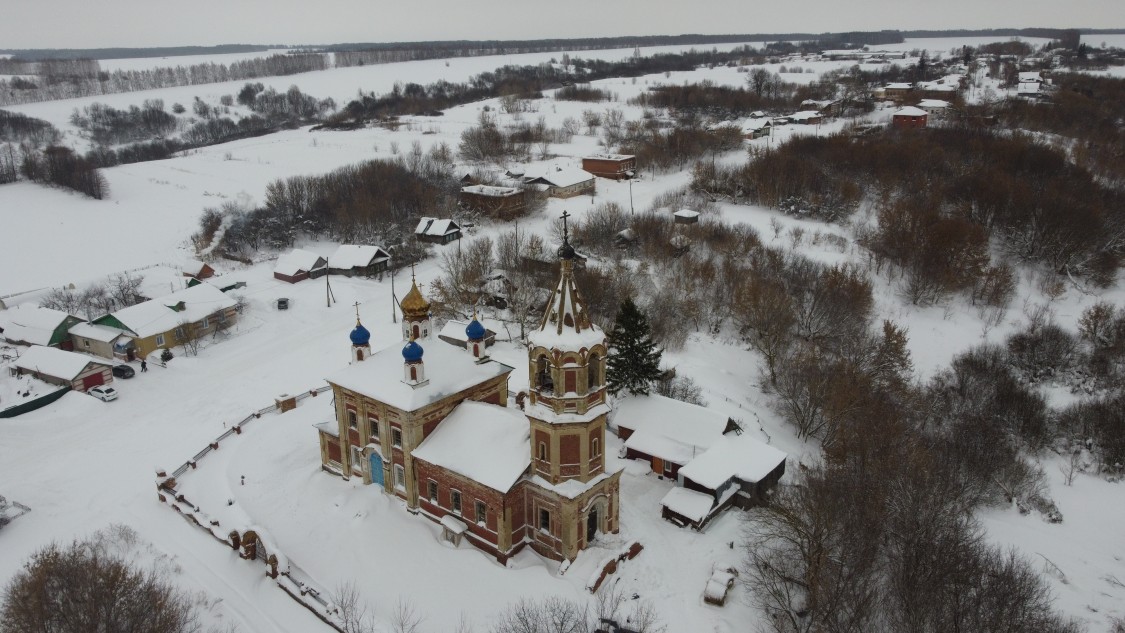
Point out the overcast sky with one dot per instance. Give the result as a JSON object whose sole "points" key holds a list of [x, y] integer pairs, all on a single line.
{"points": [[142, 23]]}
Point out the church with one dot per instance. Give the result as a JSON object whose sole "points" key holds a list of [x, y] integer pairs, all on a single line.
{"points": [[430, 424]]}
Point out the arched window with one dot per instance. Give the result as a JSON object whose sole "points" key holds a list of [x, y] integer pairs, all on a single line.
{"points": [[413, 373], [592, 372], [415, 330], [543, 451], [543, 375], [359, 354], [595, 448], [476, 350]]}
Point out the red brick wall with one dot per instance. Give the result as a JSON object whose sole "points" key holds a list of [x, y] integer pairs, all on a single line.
{"points": [[471, 492], [334, 451]]}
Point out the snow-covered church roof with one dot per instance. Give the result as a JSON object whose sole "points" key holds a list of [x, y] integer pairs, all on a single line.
{"points": [[449, 370], [484, 442]]}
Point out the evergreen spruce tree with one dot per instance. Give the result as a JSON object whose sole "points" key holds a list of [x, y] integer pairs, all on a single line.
{"points": [[634, 360]]}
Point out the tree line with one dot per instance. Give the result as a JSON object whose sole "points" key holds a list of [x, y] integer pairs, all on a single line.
{"points": [[53, 86]]}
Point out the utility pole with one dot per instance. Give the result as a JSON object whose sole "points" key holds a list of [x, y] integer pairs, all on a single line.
{"points": [[394, 315], [327, 286], [631, 196]]}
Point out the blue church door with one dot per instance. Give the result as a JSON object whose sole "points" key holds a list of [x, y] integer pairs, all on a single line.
{"points": [[376, 468]]}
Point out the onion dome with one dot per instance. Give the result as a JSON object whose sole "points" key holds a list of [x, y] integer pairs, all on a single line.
{"points": [[360, 336], [412, 353], [475, 331], [566, 251], [414, 304]]}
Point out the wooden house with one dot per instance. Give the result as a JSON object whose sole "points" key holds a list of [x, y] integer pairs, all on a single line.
{"points": [[174, 319], [909, 118], [737, 470], [667, 433], [756, 128], [501, 203], [613, 166], [358, 260], [806, 117], [67, 369], [298, 265], [31, 325], [436, 231], [197, 269]]}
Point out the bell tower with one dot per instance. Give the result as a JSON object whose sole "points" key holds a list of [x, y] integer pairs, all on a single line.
{"points": [[567, 397]]}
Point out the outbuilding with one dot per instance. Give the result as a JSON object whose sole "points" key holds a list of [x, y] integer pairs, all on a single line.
{"points": [[563, 183], [68, 369], [32, 325], [298, 265], [358, 260], [613, 166], [436, 231]]}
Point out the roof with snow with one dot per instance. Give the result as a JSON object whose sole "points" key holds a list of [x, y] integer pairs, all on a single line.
{"points": [[617, 157], [31, 324], [688, 424], [160, 315], [733, 456], [103, 333], [484, 442], [911, 111], [54, 362], [899, 86], [662, 446], [935, 104], [752, 125], [357, 256], [436, 227], [451, 370], [688, 503], [804, 115], [560, 176], [686, 213], [298, 260], [490, 190], [192, 267], [1028, 88], [1030, 76]]}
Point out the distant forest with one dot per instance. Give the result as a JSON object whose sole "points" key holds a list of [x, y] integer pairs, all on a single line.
{"points": [[450, 48]]}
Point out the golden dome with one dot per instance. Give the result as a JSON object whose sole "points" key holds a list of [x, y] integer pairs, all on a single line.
{"points": [[414, 304]]}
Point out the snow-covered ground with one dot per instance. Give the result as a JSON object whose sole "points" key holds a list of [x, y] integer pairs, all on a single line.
{"points": [[82, 464]]}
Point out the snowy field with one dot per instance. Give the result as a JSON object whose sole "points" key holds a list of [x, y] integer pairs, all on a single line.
{"points": [[1112, 40], [82, 464]]}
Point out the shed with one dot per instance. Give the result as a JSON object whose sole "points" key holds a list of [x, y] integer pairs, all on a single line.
{"points": [[298, 265], [68, 369], [352, 260], [502, 203], [735, 469], [437, 231], [197, 269], [665, 432]]}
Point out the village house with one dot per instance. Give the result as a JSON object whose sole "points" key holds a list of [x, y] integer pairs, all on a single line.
{"points": [[898, 92], [437, 231], [430, 424], [909, 118], [31, 325], [806, 117], [714, 463], [175, 319], [67, 369], [358, 260], [563, 183], [756, 128], [501, 203], [613, 166], [935, 108], [298, 265]]}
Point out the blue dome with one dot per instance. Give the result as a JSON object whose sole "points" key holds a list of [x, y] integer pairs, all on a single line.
{"points": [[475, 331], [360, 335], [412, 353]]}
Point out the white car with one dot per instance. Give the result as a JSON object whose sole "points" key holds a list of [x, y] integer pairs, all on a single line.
{"points": [[105, 394]]}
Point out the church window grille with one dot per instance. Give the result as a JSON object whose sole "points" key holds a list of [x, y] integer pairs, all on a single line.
{"points": [[455, 501], [595, 448], [396, 437], [353, 421], [481, 513], [544, 520], [373, 424], [433, 491], [543, 451], [400, 477]]}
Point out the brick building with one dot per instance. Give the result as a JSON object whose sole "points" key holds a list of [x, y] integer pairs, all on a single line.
{"points": [[501, 203], [909, 117], [614, 166], [431, 425]]}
